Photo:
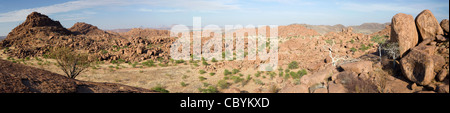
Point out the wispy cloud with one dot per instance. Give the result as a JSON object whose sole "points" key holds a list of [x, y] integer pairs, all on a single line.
{"points": [[20, 15], [404, 8]]}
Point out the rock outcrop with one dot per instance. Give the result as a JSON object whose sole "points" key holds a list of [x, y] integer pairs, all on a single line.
{"points": [[427, 25], [86, 29], [444, 25], [418, 66], [404, 32]]}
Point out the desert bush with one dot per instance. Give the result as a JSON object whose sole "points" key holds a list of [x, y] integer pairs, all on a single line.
{"points": [[257, 81], [212, 74], [227, 72], [364, 47], [378, 39], [235, 71], [160, 89], [202, 71], [223, 84], [353, 49], [183, 84], [179, 61], [293, 65], [236, 79], [209, 89], [294, 75], [213, 60], [302, 72], [205, 63], [202, 78], [257, 74], [70, 62]]}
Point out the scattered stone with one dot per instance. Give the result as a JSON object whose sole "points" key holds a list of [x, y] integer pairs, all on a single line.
{"points": [[294, 89]]}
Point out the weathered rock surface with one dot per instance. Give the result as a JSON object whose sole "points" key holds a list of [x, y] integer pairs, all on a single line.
{"points": [[418, 67], [358, 67], [404, 32], [427, 25], [444, 25]]}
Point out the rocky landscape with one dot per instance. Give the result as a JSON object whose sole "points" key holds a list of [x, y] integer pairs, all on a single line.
{"points": [[408, 55]]}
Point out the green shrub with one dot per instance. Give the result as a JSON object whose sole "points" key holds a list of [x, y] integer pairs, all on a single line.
{"points": [[183, 84], [212, 74], [226, 72], [257, 81], [223, 84], [209, 89], [179, 61], [202, 71], [353, 49], [294, 75], [160, 89], [302, 72], [202, 78], [235, 71], [364, 47], [257, 74], [205, 63], [236, 79], [213, 60], [293, 65]]}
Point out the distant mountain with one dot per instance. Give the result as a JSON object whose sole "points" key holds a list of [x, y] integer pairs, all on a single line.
{"points": [[2, 37], [366, 28]]}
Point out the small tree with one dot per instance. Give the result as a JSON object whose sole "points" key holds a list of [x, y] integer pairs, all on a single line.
{"points": [[391, 49], [72, 63]]}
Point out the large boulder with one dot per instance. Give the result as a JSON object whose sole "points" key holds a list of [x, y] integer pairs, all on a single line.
{"points": [[320, 76], [403, 31], [444, 25], [427, 25], [358, 67], [336, 88], [418, 67]]}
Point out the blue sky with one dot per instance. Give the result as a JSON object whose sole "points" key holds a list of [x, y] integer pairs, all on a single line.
{"points": [[115, 14]]}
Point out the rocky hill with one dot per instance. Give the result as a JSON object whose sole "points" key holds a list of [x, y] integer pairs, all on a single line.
{"points": [[366, 28], [86, 29], [38, 34], [18, 78]]}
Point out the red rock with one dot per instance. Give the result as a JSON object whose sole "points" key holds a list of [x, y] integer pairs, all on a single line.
{"points": [[358, 67], [418, 67], [427, 25], [404, 32], [294, 89], [444, 25]]}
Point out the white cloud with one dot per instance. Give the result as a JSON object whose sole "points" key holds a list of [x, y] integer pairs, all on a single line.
{"points": [[145, 10], [19, 15], [403, 8]]}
